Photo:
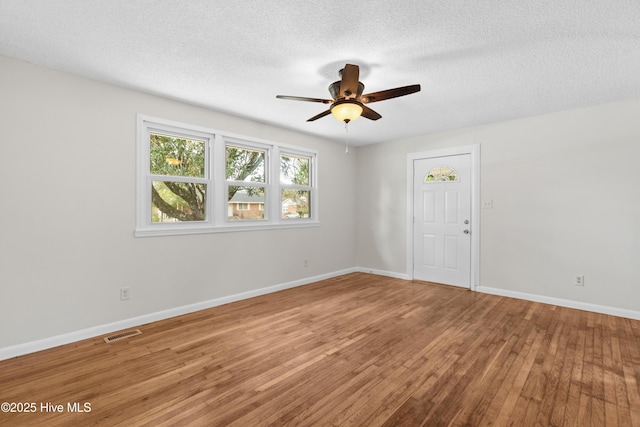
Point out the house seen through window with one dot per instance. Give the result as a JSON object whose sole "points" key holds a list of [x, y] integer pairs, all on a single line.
{"points": [[246, 183]]}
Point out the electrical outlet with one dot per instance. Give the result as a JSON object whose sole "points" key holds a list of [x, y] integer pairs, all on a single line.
{"points": [[578, 280], [487, 204], [124, 294]]}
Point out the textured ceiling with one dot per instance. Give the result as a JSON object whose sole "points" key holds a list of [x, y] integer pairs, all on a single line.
{"points": [[477, 61]]}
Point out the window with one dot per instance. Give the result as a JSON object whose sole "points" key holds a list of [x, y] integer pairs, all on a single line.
{"points": [[296, 190], [246, 181], [441, 174], [197, 180], [178, 179]]}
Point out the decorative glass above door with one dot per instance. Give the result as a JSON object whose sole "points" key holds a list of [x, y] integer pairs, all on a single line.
{"points": [[442, 173]]}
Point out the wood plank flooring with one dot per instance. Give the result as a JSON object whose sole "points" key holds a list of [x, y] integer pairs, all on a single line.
{"points": [[364, 350]]}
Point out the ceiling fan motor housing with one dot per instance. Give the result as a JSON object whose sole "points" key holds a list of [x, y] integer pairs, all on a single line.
{"points": [[334, 90]]}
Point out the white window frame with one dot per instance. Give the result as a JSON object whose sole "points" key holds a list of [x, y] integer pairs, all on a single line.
{"points": [[216, 207], [235, 142], [310, 188]]}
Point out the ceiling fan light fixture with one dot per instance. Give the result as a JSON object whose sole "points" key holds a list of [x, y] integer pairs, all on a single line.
{"points": [[346, 110]]}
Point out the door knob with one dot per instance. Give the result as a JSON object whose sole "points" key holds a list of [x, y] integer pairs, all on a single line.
{"points": [[466, 231]]}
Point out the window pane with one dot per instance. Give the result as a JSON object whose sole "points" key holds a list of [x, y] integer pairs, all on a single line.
{"points": [[294, 170], [295, 203], [178, 201], [442, 173], [244, 164], [176, 156], [245, 203]]}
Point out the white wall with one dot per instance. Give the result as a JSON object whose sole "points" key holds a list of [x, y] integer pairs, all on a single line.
{"points": [[566, 201], [67, 215]]}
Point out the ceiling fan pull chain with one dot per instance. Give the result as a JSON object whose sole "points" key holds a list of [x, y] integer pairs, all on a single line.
{"points": [[346, 137]]}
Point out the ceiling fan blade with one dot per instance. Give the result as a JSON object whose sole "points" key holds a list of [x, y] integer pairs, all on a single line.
{"points": [[369, 113], [389, 93], [303, 98], [349, 83], [319, 116]]}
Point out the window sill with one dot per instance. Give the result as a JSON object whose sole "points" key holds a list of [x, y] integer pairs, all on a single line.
{"points": [[177, 231]]}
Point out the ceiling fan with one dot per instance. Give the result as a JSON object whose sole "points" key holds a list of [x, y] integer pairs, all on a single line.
{"points": [[348, 101]]}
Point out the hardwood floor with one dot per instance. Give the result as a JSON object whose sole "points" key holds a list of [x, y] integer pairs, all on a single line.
{"points": [[364, 350]]}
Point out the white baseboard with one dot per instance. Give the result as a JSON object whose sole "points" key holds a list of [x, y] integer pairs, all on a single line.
{"points": [[602, 309], [55, 341], [595, 308], [382, 273]]}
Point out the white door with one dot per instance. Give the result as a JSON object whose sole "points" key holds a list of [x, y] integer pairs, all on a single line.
{"points": [[442, 220]]}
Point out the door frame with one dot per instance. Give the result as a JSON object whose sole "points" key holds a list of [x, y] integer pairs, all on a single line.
{"points": [[474, 151]]}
